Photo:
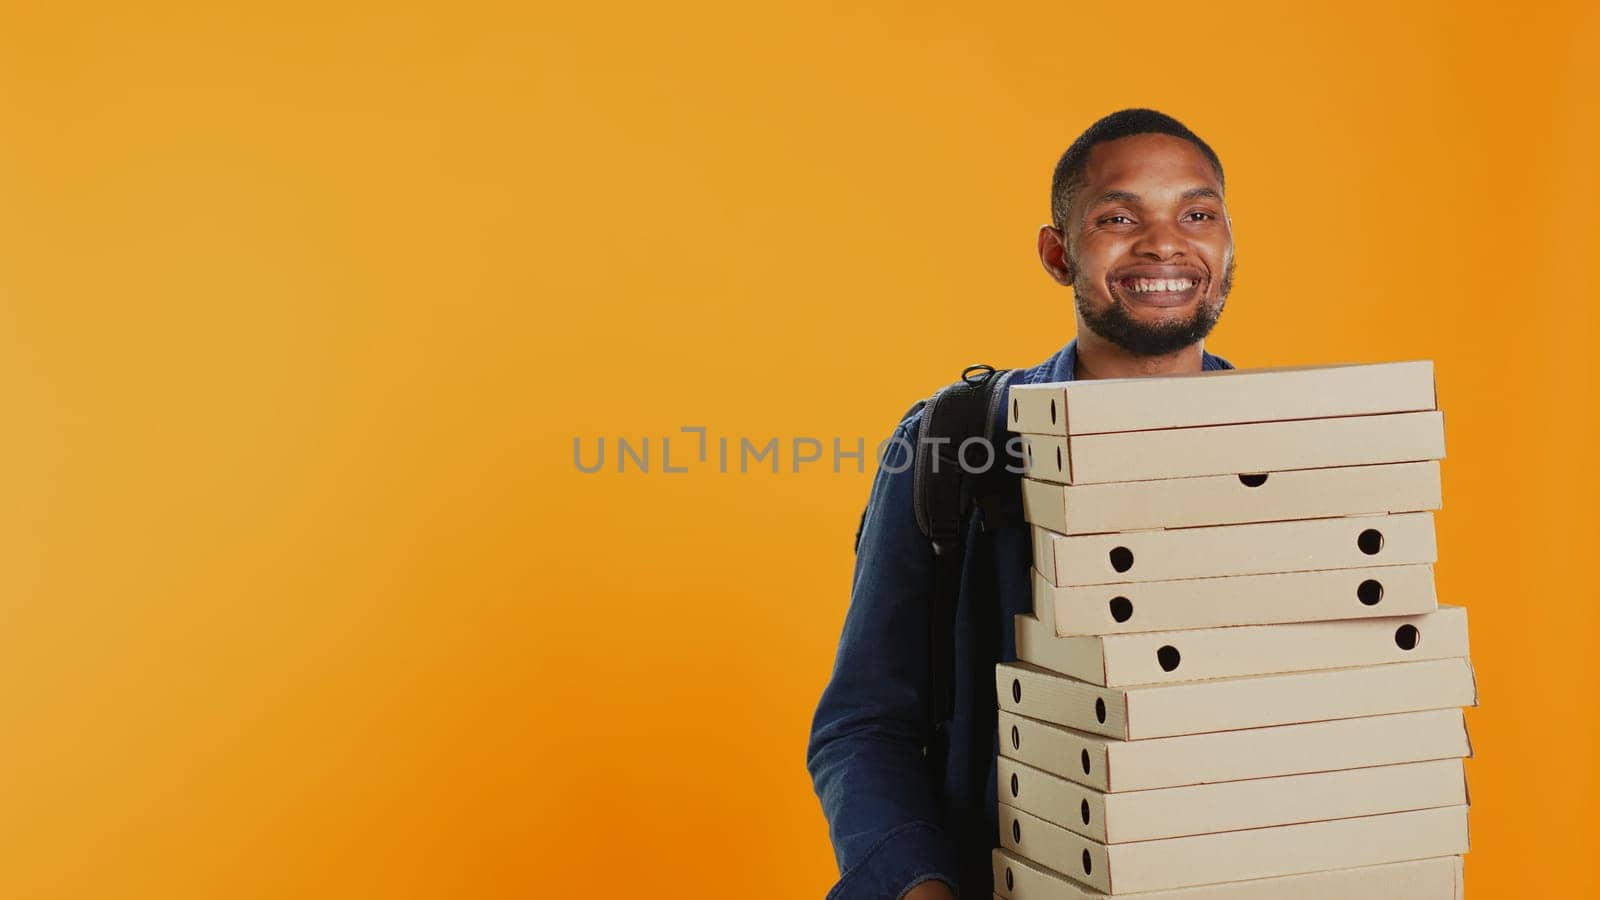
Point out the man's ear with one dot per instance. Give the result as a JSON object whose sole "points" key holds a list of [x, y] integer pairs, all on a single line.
{"points": [[1053, 254]]}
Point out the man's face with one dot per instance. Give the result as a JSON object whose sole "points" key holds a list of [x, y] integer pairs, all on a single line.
{"points": [[1149, 244]]}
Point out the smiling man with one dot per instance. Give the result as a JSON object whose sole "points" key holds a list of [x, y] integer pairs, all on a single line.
{"points": [[1141, 234]]}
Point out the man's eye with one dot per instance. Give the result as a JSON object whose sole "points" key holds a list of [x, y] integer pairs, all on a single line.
{"points": [[1199, 216], [1115, 220]]}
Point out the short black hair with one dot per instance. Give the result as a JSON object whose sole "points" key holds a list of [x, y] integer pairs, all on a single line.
{"points": [[1120, 124]]}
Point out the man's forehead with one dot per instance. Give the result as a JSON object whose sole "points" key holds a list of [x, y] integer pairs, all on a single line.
{"points": [[1155, 162]]}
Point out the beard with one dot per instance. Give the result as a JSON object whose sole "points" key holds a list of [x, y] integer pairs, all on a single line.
{"points": [[1117, 325]]}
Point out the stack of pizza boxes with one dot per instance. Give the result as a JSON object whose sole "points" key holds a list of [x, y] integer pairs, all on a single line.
{"points": [[1237, 683]]}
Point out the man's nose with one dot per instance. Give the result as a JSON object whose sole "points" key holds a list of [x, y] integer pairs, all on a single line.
{"points": [[1160, 241]]}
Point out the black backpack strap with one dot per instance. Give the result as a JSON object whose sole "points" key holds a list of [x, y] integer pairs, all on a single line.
{"points": [[946, 493]]}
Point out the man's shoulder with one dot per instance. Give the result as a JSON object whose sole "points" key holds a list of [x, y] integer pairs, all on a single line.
{"points": [[913, 415], [911, 420]]}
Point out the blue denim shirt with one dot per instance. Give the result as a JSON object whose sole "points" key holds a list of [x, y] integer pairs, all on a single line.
{"points": [[906, 803]]}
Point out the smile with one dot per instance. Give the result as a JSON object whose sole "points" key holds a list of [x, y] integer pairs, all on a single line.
{"points": [[1157, 285], [1157, 289]]}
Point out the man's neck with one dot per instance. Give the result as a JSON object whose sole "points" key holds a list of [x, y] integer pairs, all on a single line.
{"points": [[1099, 358]]}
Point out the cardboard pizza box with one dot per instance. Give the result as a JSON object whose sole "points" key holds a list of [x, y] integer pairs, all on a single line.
{"points": [[1114, 765], [1224, 704], [1218, 398], [1213, 551], [1436, 878], [1278, 597], [1117, 818], [1232, 499], [1235, 855], [1200, 653], [1235, 449]]}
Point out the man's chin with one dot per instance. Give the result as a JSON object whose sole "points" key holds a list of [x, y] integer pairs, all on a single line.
{"points": [[1145, 329], [1162, 316]]}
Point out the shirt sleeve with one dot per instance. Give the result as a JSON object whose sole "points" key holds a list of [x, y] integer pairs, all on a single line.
{"points": [[867, 753]]}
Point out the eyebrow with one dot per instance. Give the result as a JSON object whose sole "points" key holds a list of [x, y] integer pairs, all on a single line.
{"points": [[1134, 199], [1117, 197]]}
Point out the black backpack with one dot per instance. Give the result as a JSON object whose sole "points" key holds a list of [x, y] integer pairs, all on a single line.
{"points": [[947, 495]]}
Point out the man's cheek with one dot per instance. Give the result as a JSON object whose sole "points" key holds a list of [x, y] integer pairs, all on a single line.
{"points": [[1095, 282]]}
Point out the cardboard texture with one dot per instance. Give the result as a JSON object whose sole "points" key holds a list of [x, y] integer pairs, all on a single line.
{"points": [[1214, 551], [1258, 701], [1113, 765], [1232, 499], [1280, 597], [1193, 654], [1219, 398], [1438, 878], [1236, 449], [1236, 855], [1115, 818]]}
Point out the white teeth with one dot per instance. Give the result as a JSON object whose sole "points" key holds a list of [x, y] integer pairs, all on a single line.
{"points": [[1152, 285]]}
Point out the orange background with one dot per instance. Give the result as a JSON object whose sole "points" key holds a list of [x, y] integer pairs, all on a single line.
{"points": [[300, 591]]}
